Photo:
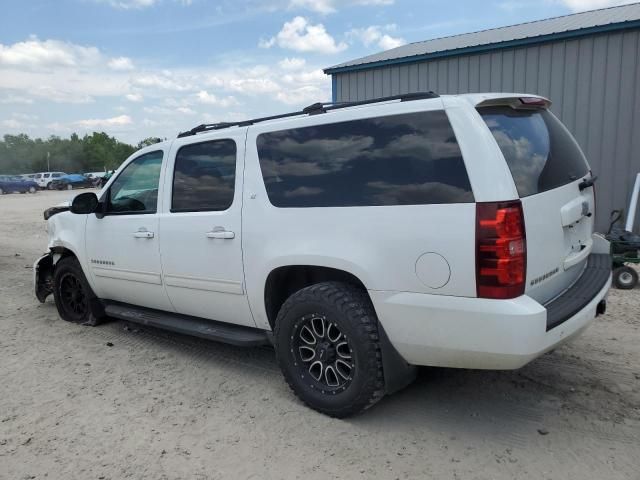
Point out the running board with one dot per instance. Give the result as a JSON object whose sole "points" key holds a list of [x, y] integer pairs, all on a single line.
{"points": [[198, 327]]}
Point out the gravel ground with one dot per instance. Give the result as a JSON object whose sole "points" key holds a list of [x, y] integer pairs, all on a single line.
{"points": [[117, 401]]}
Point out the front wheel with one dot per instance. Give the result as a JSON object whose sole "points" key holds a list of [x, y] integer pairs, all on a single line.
{"points": [[73, 295], [32, 190], [625, 278], [69, 187], [327, 345]]}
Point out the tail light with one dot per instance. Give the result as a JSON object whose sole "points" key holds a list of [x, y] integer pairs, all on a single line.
{"points": [[501, 250]]}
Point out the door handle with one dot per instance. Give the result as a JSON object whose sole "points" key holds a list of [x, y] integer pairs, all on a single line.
{"points": [[219, 232], [143, 233]]}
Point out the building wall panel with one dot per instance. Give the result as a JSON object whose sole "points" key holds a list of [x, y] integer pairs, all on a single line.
{"points": [[593, 82]]}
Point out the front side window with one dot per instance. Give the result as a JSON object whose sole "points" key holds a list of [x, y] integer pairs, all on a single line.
{"points": [[541, 153], [204, 177], [136, 188], [407, 159]]}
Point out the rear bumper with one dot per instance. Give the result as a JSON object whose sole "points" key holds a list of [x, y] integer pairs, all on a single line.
{"points": [[461, 332]]}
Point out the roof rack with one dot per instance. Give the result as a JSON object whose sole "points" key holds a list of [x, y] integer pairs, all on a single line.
{"points": [[312, 109]]}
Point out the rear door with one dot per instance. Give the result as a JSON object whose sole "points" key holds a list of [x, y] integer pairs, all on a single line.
{"points": [[548, 169], [200, 229]]}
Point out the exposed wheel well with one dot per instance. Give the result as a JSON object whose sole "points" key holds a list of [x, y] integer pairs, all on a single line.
{"points": [[64, 252], [285, 281]]}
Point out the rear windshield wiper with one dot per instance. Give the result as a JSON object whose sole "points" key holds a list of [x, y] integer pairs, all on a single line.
{"points": [[587, 182]]}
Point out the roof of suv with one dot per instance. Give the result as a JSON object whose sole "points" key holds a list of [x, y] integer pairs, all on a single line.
{"points": [[475, 99]]}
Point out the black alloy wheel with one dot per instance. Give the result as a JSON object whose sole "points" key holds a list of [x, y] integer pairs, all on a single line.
{"points": [[328, 348]]}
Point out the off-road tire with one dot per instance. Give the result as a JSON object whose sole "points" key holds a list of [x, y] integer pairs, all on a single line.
{"points": [[69, 269], [350, 310], [625, 278]]}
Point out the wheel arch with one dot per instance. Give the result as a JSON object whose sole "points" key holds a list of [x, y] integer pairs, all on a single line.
{"points": [[285, 280]]}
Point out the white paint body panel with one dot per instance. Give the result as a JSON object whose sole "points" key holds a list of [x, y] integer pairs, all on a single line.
{"points": [[432, 318], [204, 276]]}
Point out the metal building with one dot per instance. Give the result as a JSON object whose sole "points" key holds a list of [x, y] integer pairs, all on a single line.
{"points": [[588, 64]]}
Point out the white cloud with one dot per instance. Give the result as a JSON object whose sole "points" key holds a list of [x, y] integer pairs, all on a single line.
{"points": [[12, 124], [15, 99], [581, 5], [138, 4], [120, 64], [164, 80], [308, 77], [36, 54], [301, 95], [60, 95], [252, 86], [331, 6], [134, 97], [320, 6], [129, 4], [292, 63], [302, 36], [119, 121], [388, 42], [210, 99], [186, 110], [374, 35]]}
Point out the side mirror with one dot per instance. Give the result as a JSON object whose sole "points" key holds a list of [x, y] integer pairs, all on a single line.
{"points": [[84, 203]]}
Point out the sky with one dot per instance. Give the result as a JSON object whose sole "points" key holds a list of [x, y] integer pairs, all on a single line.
{"points": [[140, 68]]}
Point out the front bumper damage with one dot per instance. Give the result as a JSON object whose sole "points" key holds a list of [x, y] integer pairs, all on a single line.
{"points": [[43, 276]]}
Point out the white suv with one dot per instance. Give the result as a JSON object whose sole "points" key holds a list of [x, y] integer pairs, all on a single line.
{"points": [[359, 239], [43, 179]]}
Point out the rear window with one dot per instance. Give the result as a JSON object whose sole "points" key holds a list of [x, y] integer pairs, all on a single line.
{"points": [[408, 159], [540, 151]]}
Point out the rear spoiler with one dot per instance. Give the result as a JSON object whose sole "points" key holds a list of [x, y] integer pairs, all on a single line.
{"points": [[517, 103]]}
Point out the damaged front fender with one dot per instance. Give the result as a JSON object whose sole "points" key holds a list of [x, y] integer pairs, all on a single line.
{"points": [[43, 276]]}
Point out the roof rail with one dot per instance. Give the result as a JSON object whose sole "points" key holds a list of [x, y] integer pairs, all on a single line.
{"points": [[312, 109]]}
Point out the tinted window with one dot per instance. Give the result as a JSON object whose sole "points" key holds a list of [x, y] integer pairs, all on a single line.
{"points": [[540, 152], [404, 159], [204, 176], [136, 188]]}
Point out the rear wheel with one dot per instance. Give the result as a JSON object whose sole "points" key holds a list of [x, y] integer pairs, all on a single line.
{"points": [[625, 278], [32, 189], [69, 187], [1, 191], [328, 348], [74, 298]]}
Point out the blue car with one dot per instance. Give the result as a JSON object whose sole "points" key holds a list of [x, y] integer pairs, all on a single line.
{"points": [[10, 184], [69, 182]]}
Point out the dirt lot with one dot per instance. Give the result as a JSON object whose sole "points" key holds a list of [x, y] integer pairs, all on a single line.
{"points": [[160, 406]]}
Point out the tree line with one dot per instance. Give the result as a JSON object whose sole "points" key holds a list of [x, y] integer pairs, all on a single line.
{"points": [[90, 153]]}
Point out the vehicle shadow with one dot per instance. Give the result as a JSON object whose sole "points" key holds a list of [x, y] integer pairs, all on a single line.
{"points": [[506, 406]]}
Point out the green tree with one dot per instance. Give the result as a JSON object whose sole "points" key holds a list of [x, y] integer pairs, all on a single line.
{"points": [[93, 152], [148, 141]]}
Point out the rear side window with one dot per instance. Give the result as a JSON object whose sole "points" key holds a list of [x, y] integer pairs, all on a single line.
{"points": [[204, 177], [408, 159], [540, 151]]}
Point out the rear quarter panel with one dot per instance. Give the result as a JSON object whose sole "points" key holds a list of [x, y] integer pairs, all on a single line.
{"points": [[379, 245]]}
